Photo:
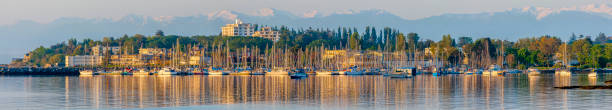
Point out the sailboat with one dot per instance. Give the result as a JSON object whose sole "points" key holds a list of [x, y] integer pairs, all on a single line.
{"points": [[565, 71], [277, 71], [592, 74], [493, 70], [533, 71]]}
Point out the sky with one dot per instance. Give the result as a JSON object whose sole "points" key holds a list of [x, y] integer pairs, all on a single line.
{"points": [[45, 11]]}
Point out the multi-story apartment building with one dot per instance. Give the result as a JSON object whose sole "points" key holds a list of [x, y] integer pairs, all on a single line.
{"points": [[246, 29], [83, 60], [238, 29], [268, 33]]}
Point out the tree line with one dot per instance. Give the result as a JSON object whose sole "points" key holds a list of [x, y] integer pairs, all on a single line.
{"points": [[543, 51]]}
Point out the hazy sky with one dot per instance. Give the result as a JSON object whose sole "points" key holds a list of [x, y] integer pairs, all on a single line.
{"points": [[12, 11]]}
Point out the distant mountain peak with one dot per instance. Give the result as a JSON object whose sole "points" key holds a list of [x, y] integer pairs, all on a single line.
{"points": [[310, 14], [223, 14], [541, 12], [163, 19], [366, 12], [265, 12]]}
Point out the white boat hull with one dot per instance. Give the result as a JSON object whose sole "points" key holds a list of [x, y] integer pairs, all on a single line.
{"points": [[86, 72], [278, 72]]}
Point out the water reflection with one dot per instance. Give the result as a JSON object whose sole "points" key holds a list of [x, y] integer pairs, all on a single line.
{"points": [[517, 91]]}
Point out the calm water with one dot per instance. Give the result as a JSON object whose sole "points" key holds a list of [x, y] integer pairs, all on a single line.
{"points": [[517, 91]]}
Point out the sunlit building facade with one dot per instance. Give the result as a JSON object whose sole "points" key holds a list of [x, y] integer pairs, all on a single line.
{"points": [[238, 29], [267, 33], [101, 50], [83, 60]]}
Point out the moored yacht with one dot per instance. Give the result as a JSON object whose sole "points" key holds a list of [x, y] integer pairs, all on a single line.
{"points": [[298, 73], [278, 71], [405, 72], [493, 70], [533, 71], [141, 72], [324, 72], [565, 72], [593, 74], [241, 71], [167, 71], [217, 71], [86, 72], [354, 71]]}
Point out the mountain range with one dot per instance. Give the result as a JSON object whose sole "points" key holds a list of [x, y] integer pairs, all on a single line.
{"points": [[21, 37]]}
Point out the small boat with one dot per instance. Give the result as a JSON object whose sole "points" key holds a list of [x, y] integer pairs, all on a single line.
{"points": [[167, 71], [593, 74], [217, 71], [141, 72], [493, 70], [198, 71], [405, 72], [261, 71], [342, 72], [372, 72], [109, 73], [297, 74], [436, 72], [240, 71], [533, 71], [513, 71], [354, 71], [564, 72], [277, 72], [324, 72], [86, 72]]}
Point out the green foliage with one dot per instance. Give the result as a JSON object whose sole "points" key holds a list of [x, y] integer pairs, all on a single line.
{"points": [[524, 53]]}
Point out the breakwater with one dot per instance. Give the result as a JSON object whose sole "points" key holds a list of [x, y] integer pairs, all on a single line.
{"points": [[39, 71]]}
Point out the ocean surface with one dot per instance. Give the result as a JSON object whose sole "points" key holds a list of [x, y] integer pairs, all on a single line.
{"points": [[470, 92]]}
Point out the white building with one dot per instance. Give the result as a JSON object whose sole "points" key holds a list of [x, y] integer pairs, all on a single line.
{"points": [[238, 29], [83, 60]]}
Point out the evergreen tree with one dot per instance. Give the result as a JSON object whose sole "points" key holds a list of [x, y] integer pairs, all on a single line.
{"points": [[366, 35], [374, 37], [572, 38], [159, 33], [601, 38]]}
